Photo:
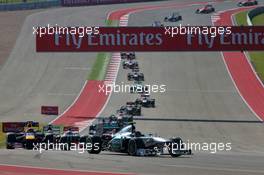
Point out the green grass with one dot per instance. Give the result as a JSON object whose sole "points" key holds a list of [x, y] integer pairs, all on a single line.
{"points": [[2, 137], [256, 57], [100, 65], [241, 18], [258, 20], [111, 23]]}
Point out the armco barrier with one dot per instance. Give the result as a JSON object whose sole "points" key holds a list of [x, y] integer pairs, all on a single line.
{"points": [[252, 13], [70, 3], [29, 5]]}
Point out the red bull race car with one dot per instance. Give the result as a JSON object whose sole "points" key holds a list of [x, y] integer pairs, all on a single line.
{"points": [[206, 9], [22, 134]]}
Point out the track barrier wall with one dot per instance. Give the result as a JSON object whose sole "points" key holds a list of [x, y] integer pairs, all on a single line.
{"points": [[65, 3], [70, 3], [29, 5], [252, 13]]}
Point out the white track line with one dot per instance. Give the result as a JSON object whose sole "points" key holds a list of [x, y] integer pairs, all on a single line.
{"points": [[231, 77], [123, 21], [58, 169], [111, 74], [71, 104]]}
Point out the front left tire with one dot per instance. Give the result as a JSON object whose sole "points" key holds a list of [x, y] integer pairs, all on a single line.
{"points": [[96, 144], [175, 141]]}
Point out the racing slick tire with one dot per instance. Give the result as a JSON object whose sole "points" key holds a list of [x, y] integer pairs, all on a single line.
{"points": [[92, 141], [141, 77], [132, 90], [138, 102], [9, 146], [48, 139], [175, 141], [152, 104], [138, 111], [64, 144], [10, 140], [65, 147], [29, 144], [134, 145]]}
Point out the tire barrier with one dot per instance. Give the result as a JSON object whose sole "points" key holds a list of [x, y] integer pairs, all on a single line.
{"points": [[252, 13]]}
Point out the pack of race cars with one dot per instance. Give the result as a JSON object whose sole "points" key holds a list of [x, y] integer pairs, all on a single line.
{"points": [[127, 139], [207, 9], [29, 135], [116, 133]]}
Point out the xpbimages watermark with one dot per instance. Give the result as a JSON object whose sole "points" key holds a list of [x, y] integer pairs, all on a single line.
{"points": [[108, 88], [211, 31], [80, 147], [64, 30], [211, 147]]}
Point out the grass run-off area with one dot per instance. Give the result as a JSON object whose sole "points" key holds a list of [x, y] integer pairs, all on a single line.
{"points": [[258, 20], [256, 57], [2, 137], [100, 65]]}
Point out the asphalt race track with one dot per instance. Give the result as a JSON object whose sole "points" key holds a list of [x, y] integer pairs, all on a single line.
{"points": [[30, 79], [201, 103]]}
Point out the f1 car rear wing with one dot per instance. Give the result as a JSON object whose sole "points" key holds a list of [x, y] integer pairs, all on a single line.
{"points": [[145, 95], [53, 128], [130, 103], [135, 70], [137, 82], [19, 126], [70, 128]]}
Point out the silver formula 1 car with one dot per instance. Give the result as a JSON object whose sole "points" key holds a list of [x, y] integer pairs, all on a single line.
{"points": [[138, 87], [145, 101], [130, 64], [128, 56], [134, 143], [135, 75], [157, 24], [247, 3], [174, 17], [130, 108]]}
